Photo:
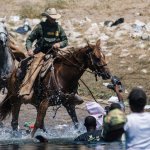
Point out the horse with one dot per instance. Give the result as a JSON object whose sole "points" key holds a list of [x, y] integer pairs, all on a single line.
{"points": [[7, 57], [59, 85], [7, 64]]}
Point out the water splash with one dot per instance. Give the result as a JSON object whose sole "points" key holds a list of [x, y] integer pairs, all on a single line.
{"points": [[62, 131]]}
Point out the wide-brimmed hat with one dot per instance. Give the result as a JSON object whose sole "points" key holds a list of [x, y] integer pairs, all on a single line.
{"points": [[51, 12]]}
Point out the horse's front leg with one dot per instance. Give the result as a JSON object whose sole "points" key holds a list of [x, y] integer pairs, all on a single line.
{"points": [[41, 112], [42, 126], [15, 114], [71, 111]]}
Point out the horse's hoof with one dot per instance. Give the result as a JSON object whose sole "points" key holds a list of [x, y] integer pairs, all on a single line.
{"points": [[41, 139], [32, 134], [78, 102], [16, 134], [76, 125]]}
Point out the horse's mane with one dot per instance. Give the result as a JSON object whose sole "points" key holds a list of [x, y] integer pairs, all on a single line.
{"points": [[71, 51]]}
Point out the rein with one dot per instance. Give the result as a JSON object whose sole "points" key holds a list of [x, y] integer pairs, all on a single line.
{"points": [[88, 90], [58, 94], [75, 65]]}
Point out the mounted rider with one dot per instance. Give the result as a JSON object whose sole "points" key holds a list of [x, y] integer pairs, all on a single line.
{"points": [[49, 36]]}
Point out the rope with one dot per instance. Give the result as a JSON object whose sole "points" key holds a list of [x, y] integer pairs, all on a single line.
{"points": [[56, 111], [88, 90], [81, 79]]}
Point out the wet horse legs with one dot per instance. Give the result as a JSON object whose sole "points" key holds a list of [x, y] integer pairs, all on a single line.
{"points": [[42, 126], [15, 114], [41, 112], [71, 111]]}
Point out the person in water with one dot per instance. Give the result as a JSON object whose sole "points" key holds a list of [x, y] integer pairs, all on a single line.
{"points": [[112, 128], [137, 127], [92, 135]]}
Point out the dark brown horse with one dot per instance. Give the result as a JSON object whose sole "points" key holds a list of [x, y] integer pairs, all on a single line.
{"points": [[59, 86]]}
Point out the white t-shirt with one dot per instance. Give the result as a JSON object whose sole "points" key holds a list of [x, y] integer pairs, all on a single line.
{"points": [[137, 131]]}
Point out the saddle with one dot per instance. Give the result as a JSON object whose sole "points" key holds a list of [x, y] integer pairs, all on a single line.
{"points": [[29, 69]]}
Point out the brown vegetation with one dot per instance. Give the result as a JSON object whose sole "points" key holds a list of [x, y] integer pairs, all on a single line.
{"points": [[99, 10]]}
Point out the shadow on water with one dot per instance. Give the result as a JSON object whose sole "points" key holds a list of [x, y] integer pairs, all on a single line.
{"points": [[62, 144], [58, 139]]}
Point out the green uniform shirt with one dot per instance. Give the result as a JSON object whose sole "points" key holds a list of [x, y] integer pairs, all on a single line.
{"points": [[46, 35]]}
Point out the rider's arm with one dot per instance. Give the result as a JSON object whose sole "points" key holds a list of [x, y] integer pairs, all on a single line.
{"points": [[120, 97], [63, 37], [34, 35]]}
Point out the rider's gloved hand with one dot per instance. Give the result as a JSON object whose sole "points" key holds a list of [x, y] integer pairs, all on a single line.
{"points": [[30, 52], [56, 45]]}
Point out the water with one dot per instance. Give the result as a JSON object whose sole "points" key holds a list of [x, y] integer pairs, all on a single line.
{"points": [[59, 137], [62, 145]]}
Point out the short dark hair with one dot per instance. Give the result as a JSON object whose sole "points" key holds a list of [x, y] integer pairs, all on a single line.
{"points": [[90, 121], [115, 106], [137, 99]]}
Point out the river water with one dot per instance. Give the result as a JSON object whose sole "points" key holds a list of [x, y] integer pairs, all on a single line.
{"points": [[59, 138], [63, 146]]}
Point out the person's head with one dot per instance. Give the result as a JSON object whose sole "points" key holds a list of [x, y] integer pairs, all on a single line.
{"points": [[51, 15], [90, 123], [137, 100], [114, 106]]}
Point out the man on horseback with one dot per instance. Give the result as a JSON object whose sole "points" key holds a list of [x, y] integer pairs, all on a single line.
{"points": [[49, 36]]}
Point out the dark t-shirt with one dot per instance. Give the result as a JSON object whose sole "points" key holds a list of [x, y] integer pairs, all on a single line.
{"points": [[93, 136]]}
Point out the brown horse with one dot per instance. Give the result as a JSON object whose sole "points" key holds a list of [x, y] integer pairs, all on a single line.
{"points": [[59, 86]]}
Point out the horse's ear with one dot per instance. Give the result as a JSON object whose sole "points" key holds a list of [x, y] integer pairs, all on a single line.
{"points": [[3, 20], [98, 43]]}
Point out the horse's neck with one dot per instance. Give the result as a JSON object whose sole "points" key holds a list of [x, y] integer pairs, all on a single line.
{"points": [[78, 58], [70, 71], [7, 63]]}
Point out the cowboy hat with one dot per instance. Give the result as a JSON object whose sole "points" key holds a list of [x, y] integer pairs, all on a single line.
{"points": [[52, 13]]}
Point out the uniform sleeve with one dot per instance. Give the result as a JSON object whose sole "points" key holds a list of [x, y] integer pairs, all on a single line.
{"points": [[63, 38], [34, 35]]}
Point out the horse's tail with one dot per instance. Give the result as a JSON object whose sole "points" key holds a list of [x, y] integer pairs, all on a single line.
{"points": [[5, 108]]}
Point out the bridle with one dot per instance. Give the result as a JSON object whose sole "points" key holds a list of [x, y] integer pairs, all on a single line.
{"points": [[6, 35], [78, 64], [81, 66], [96, 64]]}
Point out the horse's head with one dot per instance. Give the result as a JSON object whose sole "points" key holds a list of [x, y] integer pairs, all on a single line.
{"points": [[97, 62], [3, 35]]}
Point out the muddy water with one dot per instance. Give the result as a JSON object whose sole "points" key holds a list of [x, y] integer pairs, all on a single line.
{"points": [[60, 132], [59, 138], [68, 146]]}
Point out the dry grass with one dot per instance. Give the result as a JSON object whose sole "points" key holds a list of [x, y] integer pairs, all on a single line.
{"points": [[78, 8]]}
